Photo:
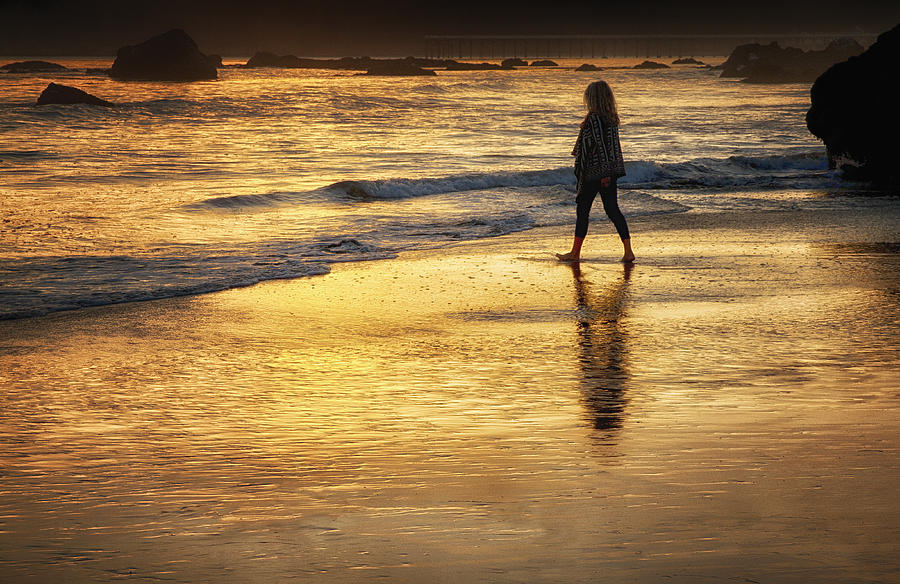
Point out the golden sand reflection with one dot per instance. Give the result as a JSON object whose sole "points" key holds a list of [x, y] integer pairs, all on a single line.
{"points": [[603, 340], [464, 409]]}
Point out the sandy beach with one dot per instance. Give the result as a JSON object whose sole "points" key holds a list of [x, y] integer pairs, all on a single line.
{"points": [[724, 411]]}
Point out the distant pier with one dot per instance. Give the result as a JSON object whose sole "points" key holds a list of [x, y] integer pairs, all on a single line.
{"points": [[599, 46]]}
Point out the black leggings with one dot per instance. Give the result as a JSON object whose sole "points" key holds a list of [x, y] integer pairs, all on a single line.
{"points": [[587, 191]]}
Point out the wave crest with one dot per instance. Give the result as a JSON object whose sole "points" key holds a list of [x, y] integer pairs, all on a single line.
{"points": [[800, 170]]}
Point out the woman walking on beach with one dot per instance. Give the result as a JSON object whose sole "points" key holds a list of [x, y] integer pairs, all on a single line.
{"points": [[598, 164]]}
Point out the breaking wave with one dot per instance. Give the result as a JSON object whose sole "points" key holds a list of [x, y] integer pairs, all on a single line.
{"points": [[793, 171]]}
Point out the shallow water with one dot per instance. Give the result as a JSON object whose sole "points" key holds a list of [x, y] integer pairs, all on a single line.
{"points": [[265, 174]]}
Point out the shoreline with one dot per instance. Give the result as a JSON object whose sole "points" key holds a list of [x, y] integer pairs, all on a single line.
{"points": [[688, 218]]}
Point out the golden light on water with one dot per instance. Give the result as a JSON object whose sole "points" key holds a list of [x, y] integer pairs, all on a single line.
{"points": [[465, 410]]}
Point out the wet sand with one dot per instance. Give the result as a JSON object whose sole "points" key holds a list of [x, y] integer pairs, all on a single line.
{"points": [[726, 410]]}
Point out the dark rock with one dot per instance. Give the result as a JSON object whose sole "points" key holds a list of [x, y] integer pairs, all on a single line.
{"points": [[171, 56], [651, 65], [745, 57], [421, 62], [262, 59], [63, 94], [214, 60], [266, 59], [588, 67], [854, 111], [544, 63], [396, 67], [687, 61], [347, 63], [513, 62], [456, 66], [775, 64], [96, 71], [30, 66]]}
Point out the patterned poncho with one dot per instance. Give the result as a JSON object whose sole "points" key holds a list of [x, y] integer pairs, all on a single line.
{"points": [[597, 151]]}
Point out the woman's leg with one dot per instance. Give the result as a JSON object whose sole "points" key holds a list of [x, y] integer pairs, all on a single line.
{"points": [[587, 191], [584, 199], [609, 196]]}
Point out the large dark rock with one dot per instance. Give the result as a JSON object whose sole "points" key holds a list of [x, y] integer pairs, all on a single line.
{"points": [[744, 58], [687, 61], [775, 64], [457, 66], [214, 60], [544, 63], [267, 59], [513, 62], [32, 66], [171, 56], [588, 67], [854, 111], [652, 65], [63, 94]]}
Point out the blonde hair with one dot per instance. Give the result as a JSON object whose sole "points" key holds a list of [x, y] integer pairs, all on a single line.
{"points": [[599, 99]]}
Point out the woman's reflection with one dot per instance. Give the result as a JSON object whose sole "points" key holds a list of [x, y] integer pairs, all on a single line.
{"points": [[602, 343]]}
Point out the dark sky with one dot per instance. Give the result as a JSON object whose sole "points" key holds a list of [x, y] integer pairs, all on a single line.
{"points": [[354, 27]]}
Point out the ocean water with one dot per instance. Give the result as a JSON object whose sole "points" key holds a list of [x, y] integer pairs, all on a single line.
{"points": [[270, 173]]}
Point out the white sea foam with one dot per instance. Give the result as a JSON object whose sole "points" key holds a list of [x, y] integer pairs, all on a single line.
{"points": [[800, 170], [407, 188], [784, 171]]}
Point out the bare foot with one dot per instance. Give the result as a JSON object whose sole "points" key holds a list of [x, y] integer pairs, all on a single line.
{"points": [[628, 258], [567, 257]]}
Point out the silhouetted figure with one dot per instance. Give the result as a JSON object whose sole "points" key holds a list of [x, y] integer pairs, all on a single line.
{"points": [[602, 344], [598, 165]]}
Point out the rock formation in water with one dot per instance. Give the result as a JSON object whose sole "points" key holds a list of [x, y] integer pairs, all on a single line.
{"points": [[773, 64], [588, 67], [267, 59], [214, 60], [457, 66], [31, 66], [544, 63], [652, 65], [63, 94], [854, 111], [687, 61], [513, 62], [409, 64], [171, 56]]}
